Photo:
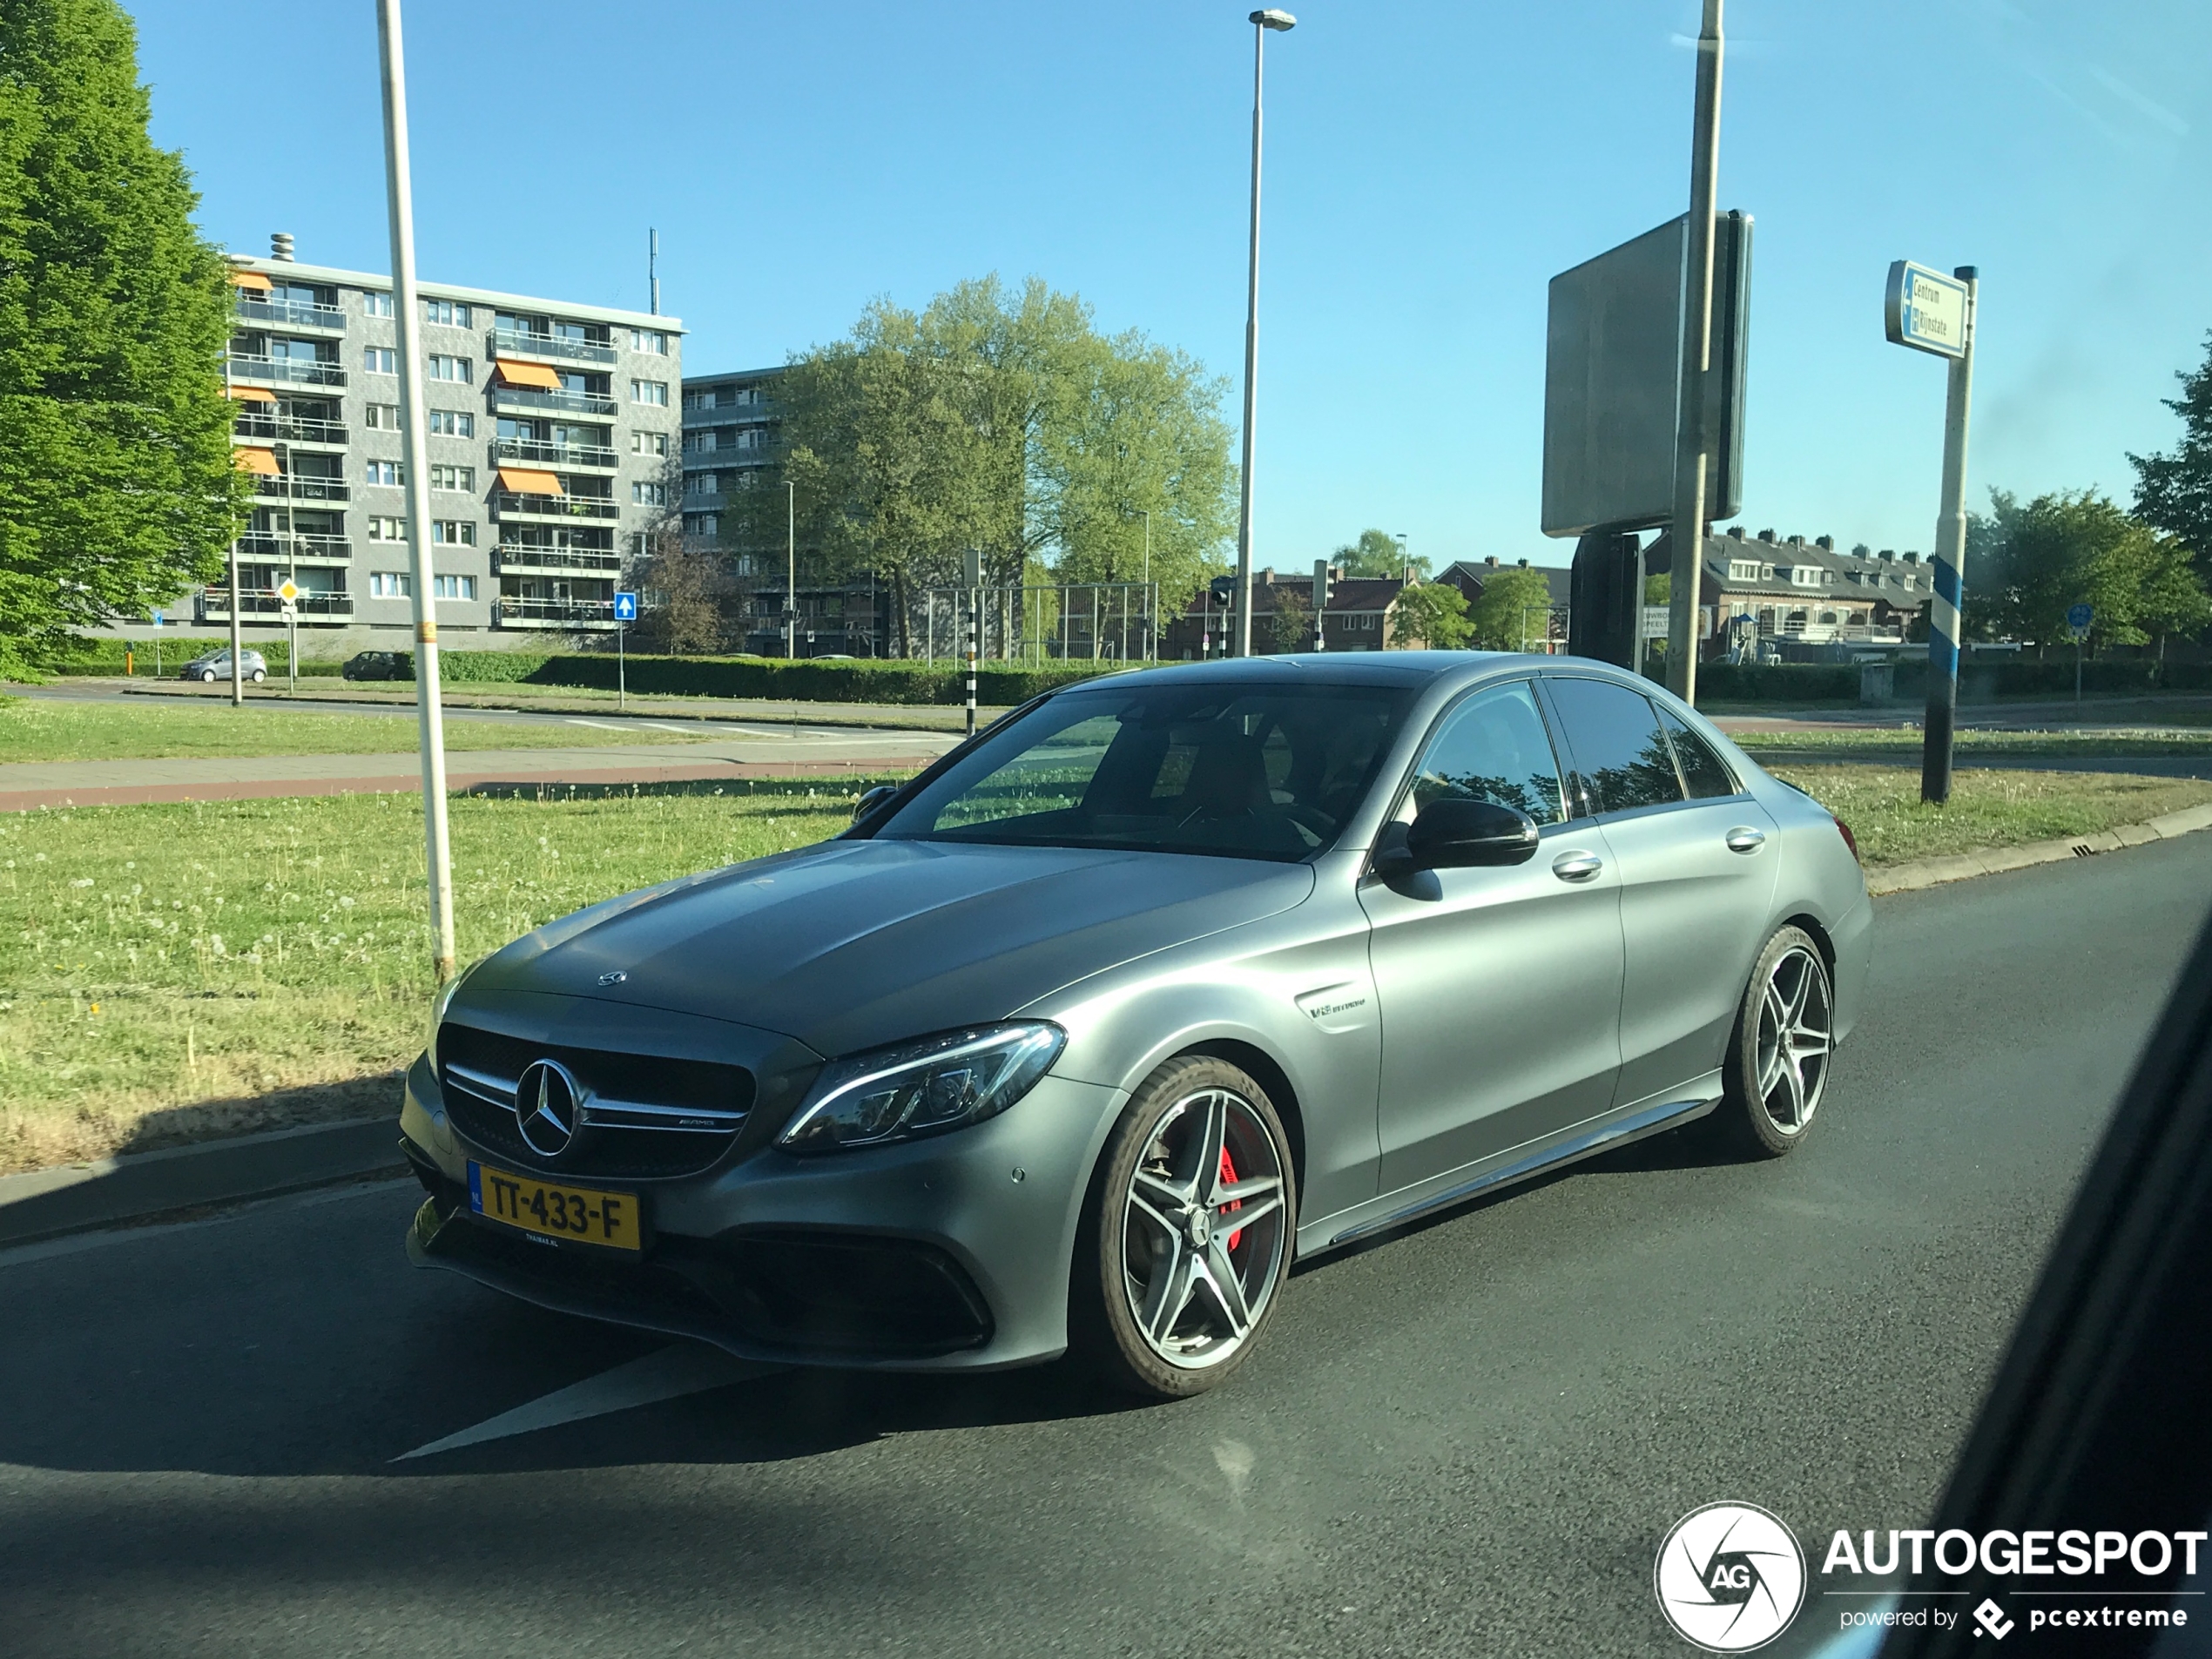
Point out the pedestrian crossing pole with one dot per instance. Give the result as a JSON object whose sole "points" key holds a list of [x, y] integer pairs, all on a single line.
{"points": [[975, 575]]}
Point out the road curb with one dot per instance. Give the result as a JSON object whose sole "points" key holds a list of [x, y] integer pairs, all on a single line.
{"points": [[76, 1197], [1959, 867]]}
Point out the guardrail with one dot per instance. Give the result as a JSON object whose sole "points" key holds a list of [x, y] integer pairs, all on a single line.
{"points": [[525, 397], [214, 604], [502, 342], [302, 545], [567, 612], [504, 502], [292, 428], [551, 454], [298, 369], [510, 556], [291, 313], [289, 488]]}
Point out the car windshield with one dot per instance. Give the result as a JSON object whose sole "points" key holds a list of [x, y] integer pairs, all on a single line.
{"points": [[1177, 767]]}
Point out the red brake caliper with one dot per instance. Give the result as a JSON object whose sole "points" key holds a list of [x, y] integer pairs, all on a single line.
{"points": [[1229, 1174]]}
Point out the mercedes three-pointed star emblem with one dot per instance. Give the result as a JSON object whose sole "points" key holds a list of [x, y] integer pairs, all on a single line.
{"points": [[549, 1107]]}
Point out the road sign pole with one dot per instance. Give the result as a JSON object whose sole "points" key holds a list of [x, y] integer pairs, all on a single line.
{"points": [[292, 643], [1944, 610], [407, 321], [622, 670], [1693, 445]]}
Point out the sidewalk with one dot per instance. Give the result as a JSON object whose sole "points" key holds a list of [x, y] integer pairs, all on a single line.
{"points": [[29, 786]]}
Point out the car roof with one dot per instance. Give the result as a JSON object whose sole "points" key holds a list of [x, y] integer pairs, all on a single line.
{"points": [[1398, 668]]}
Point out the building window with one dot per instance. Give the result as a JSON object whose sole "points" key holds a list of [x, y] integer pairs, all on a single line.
{"points": [[390, 584], [386, 472], [380, 360], [449, 369], [452, 423], [699, 400], [454, 587], [649, 340], [382, 528], [450, 312], [648, 444], [704, 483], [650, 495], [454, 532], [381, 417], [376, 304], [453, 477], [654, 392]]}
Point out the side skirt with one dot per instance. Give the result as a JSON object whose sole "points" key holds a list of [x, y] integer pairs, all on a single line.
{"points": [[1635, 1126]]}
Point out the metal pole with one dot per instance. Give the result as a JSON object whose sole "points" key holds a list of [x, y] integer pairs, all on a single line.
{"points": [[790, 570], [1261, 22], [238, 672], [1949, 563], [622, 667], [406, 323], [652, 267], [2077, 673], [1692, 444]]}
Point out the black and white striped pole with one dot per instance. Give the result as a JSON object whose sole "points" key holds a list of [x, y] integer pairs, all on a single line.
{"points": [[975, 592], [1933, 312]]}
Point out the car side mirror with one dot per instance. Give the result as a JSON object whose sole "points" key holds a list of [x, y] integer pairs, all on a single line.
{"points": [[1461, 834], [870, 799]]}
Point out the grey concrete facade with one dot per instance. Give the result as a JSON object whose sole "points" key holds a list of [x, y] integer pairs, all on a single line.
{"points": [[730, 436], [540, 493]]}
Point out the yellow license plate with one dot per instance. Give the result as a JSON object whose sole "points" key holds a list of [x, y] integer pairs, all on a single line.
{"points": [[560, 1213]]}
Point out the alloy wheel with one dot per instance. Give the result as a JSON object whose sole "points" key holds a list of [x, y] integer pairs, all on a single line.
{"points": [[1795, 1038], [1203, 1232]]}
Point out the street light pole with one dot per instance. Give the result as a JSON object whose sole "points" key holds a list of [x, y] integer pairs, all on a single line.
{"points": [[1692, 447], [238, 670], [791, 573], [1262, 21], [406, 322]]}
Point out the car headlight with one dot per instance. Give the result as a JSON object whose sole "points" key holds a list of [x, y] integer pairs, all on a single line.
{"points": [[443, 1001], [922, 1087]]}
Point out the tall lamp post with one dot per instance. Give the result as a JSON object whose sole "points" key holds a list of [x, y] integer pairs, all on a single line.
{"points": [[1262, 21], [791, 571], [1693, 446]]}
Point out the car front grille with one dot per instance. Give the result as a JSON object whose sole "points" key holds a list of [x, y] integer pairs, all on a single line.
{"points": [[641, 1115]]}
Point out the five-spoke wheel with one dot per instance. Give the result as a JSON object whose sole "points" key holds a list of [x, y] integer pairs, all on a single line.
{"points": [[1777, 1061]]}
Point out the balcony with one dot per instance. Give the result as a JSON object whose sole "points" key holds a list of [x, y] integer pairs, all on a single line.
{"points": [[529, 400], [298, 549], [292, 313], [563, 456], [573, 614], [292, 487], [507, 503], [503, 342], [213, 604], [515, 558], [290, 430], [299, 371]]}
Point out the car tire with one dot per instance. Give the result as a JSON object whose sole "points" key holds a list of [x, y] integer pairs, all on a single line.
{"points": [[1780, 1050], [206, 676], [1147, 1305], [258, 676]]}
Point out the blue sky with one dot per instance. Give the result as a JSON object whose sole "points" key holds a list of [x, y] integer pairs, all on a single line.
{"points": [[1429, 166]]}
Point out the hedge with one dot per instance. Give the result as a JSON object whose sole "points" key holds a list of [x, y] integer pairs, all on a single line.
{"points": [[105, 656], [765, 678]]}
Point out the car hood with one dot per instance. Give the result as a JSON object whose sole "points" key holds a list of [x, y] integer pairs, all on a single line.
{"points": [[851, 944]]}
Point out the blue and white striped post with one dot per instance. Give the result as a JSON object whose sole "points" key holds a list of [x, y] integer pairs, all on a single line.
{"points": [[1944, 610]]}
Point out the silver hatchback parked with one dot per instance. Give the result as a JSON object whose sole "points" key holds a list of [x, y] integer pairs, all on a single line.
{"points": [[1079, 1038]]}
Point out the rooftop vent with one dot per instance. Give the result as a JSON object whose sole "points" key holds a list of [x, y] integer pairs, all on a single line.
{"points": [[1736, 530], [1523, 564], [1911, 559], [280, 247], [1491, 560], [1828, 542], [1889, 553], [1766, 535]]}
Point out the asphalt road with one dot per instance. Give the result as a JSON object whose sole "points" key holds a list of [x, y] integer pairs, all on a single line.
{"points": [[1468, 1438]]}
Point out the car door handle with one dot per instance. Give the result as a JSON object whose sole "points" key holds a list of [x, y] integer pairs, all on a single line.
{"points": [[1743, 838], [1577, 865]]}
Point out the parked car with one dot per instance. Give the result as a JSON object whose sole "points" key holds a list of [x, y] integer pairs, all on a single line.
{"points": [[1079, 1038], [216, 665], [378, 665]]}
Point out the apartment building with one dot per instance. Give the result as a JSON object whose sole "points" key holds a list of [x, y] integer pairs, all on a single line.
{"points": [[553, 427], [729, 439]]}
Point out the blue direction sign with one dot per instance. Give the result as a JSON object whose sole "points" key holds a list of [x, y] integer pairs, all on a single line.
{"points": [[1926, 310], [626, 607], [2079, 617]]}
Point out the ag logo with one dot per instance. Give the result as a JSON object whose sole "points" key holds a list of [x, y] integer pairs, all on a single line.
{"points": [[1730, 1577]]}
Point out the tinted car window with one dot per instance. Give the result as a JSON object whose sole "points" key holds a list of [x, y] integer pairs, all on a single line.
{"points": [[1494, 747], [1705, 772], [1618, 748], [1175, 766]]}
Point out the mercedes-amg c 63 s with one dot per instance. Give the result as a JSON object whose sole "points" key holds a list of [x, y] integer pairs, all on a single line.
{"points": [[1081, 1037]]}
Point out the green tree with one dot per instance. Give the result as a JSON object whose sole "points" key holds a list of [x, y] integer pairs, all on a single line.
{"points": [[2079, 547], [1291, 626], [117, 484], [1376, 554], [1514, 608], [1431, 615], [2173, 488]]}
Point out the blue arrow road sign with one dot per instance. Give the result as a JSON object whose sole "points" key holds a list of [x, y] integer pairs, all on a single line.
{"points": [[2079, 617], [626, 607]]}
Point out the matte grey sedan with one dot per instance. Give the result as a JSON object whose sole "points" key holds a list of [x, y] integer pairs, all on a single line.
{"points": [[1079, 1038]]}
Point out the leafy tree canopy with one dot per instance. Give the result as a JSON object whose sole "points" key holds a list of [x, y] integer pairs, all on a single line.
{"points": [[1433, 615], [1514, 608], [117, 484], [1376, 554], [2173, 488], [2028, 562]]}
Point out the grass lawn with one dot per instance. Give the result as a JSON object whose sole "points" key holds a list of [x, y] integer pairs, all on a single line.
{"points": [[171, 972], [2120, 741], [1988, 808], [45, 728]]}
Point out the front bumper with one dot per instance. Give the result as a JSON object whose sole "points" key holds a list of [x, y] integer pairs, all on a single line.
{"points": [[933, 1255]]}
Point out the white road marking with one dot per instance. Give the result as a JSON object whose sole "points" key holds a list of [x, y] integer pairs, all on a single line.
{"points": [[669, 1373], [598, 726]]}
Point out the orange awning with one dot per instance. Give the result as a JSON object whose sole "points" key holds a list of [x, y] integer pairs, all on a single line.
{"points": [[250, 393], [527, 374], [244, 279], [527, 480], [259, 461]]}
